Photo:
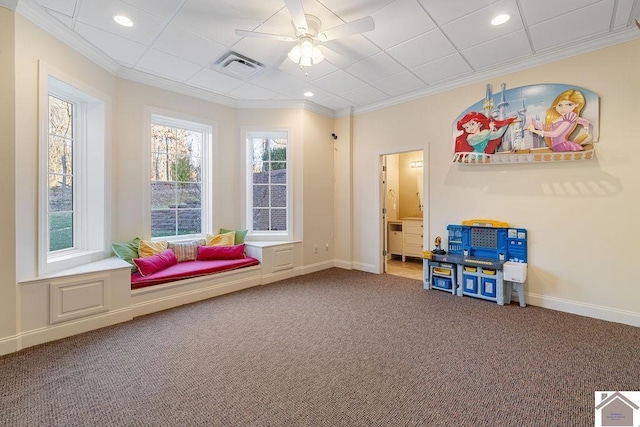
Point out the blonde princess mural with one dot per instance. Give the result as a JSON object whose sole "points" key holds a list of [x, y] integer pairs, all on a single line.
{"points": [[527, 124]]}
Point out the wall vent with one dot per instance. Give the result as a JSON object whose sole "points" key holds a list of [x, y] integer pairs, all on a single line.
{"points": [[238, 66]]}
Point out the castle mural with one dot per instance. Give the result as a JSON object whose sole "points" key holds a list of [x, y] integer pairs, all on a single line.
{"points": [[537, 123]]}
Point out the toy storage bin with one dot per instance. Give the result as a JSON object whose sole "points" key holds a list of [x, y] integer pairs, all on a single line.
{"points": [[488, 288], [442, 283], [470, 284]]}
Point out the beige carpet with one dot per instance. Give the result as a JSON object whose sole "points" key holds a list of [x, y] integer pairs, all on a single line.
{"points": [[333, 348]]}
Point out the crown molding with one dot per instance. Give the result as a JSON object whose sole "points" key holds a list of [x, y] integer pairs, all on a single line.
{"points": [[184, 89], [628, 34], [9, 4], [287, 103], [48, 23]]}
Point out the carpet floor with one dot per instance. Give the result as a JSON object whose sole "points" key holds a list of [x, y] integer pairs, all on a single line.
{"points": [[332, 348]]}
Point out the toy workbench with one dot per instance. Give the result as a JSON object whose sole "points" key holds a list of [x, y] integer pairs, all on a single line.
{"points": [[482, 255]]}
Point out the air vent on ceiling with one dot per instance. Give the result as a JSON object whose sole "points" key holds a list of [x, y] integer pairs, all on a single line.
{"points": [[237, 65]]}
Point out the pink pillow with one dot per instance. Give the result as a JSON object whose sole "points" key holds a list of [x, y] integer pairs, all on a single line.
{"points": [[221, 252], [154, 263]]}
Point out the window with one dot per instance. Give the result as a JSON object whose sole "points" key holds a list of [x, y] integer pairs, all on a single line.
{"points": [[268, 190], [180, 177], [73, 181], [60, 211]]}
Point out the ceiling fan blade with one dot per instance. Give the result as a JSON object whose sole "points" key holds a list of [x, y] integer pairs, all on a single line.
{"points": [[297, 15], [243, 33], [358, 26]]}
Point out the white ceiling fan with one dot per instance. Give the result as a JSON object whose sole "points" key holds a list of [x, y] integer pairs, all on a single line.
{"points": [[309, 33]]}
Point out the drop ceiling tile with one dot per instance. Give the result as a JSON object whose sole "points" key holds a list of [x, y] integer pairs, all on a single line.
{"points": [[177, 41], [475, 28], [503, 49], [355, 9], [251, 91], [446, 11], [66, 20], [554, 32], [346, 51], [536, 11], [163, 9], [298, 93], [99, 14], [334, 102], [169, 66], [363, 95], [422, 49], [442, 69], [399, 21], [278, 81], [215, 20], [400, 83], [375, 67], [259, 10], [338, 82], [126, 52], [270, 52], [63, 7], [214, 81], [307, 73], [623, 11]]}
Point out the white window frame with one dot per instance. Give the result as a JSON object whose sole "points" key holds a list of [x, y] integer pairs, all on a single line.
{"points": [[91, 182], [209, 131], [260, 235]]}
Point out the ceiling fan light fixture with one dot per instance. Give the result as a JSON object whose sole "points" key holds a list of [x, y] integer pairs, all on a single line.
{"points": [[295, 54], [305, 53], [317, 56], [306, 47]]}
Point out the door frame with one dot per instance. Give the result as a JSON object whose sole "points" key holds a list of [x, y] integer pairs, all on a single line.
{"points": [[383, 208]]}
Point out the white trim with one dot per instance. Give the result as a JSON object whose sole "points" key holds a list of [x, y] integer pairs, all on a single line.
{"points": [[584, 309], [318, 266], [73, 327], [369, 268], [247, 180], [346, 265], [92, 182], [9, 4], [9, 344]]}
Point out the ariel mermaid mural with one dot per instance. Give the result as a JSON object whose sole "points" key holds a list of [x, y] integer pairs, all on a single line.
{"points": [[536, 119]]}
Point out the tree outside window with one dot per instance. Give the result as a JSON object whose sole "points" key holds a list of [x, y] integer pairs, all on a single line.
{"points": [[176, 180]]}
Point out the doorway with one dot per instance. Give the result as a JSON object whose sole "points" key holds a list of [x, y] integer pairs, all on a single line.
{"points": [[404, 217]]}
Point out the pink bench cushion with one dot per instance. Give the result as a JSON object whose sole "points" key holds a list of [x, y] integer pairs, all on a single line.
{"points": [[187, 269]]}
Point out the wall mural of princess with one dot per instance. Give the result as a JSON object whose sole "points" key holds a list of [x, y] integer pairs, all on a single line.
{"points": [[545, 122]]}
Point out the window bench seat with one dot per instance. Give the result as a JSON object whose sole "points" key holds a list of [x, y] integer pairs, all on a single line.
{"points": [[102, 293]]}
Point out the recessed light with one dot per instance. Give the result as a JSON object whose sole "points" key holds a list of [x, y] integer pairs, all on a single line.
{"points": [[308, 94], [500, 19], [123, 20]]}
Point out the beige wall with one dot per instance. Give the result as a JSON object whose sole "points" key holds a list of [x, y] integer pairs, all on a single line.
{"points": [[134, 100], [317, 190], [580, 215], [7, 181], [343, 192]]}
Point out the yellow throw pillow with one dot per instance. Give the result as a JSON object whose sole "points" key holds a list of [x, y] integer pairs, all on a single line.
{"points": [[224, 239], [148, 248]]}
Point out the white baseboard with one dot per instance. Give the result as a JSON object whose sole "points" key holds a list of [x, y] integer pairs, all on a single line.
{"points": [[369, 268], [319, 266], [281, 275], [9, 345], [584, 309], [347, 265], [73, 327]]}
